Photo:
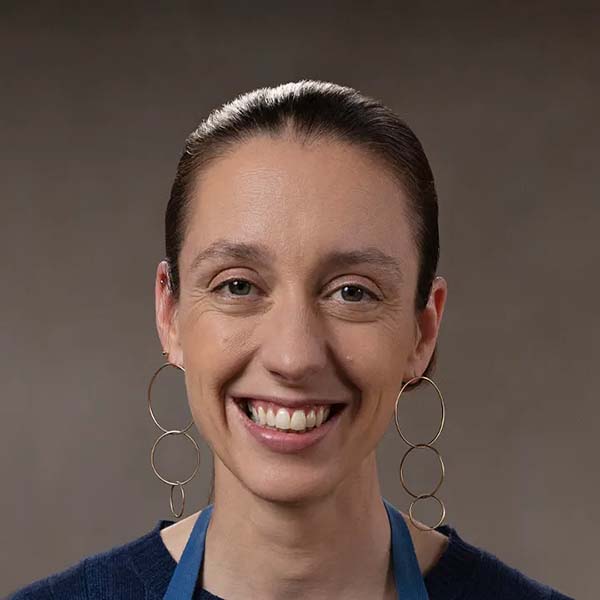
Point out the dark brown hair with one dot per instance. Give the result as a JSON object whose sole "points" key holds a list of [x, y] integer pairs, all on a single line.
{"points": [[310, 110]]}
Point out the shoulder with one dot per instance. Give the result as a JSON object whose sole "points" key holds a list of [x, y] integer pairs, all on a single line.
{"points": [[114, 573], [70, 583], [468, 572]]}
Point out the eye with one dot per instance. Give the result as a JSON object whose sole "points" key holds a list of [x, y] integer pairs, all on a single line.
{"points": [[354, 293], [351, 293], [234, 285]]}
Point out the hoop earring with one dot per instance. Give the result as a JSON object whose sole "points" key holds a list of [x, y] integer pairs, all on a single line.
{"points": [[166, 433], [417, 497]]}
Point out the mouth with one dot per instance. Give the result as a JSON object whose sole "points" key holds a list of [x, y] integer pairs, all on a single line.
{"points": [[287, 419], [285, 429]]}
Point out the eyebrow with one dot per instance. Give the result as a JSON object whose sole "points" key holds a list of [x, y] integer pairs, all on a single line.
{"points": [[261, 254]]}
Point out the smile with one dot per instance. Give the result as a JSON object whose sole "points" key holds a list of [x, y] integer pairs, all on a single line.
{"points": [[272, 415], [284, 429]]}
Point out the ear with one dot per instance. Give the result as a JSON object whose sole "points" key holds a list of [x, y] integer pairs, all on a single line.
{"points": [[167, 322], [427, 328]]}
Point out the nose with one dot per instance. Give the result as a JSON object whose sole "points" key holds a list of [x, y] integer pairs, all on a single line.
{"points": [[293, 341]]}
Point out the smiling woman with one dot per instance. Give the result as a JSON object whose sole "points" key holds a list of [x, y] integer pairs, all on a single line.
{"points": [[299, 297]]}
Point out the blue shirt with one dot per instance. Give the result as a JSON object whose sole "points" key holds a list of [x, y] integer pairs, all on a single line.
{"points": [[143, 568]]}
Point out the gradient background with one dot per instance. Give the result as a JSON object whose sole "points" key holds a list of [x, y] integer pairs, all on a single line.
{"points": [[96, 104]]}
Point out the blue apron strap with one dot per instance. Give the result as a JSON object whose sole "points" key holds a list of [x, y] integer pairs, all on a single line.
{"points": [[407, 573], [183, 581]]}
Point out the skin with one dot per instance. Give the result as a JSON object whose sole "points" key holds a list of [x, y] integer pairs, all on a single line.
{"points": [[307, 524]]}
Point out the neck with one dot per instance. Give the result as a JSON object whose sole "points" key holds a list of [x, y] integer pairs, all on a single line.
{"points": [[341, 543], [334, 546]]}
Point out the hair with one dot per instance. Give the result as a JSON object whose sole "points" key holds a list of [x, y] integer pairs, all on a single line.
{"points": [[309, 110]]}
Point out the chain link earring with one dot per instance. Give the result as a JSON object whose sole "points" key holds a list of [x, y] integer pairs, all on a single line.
{"points": [[428, 445], [166, 433]]}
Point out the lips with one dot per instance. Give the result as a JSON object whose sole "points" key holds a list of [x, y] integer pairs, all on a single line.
{"points": [[286, 441]]}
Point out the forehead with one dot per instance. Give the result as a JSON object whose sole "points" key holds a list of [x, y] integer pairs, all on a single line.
{"points": [[299, 197]]}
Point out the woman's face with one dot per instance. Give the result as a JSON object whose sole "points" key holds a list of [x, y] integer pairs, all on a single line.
{"points": [[321, 308]]}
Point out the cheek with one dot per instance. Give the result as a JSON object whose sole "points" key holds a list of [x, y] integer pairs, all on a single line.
{"points": [[215, 350], [374, 358], [211, 343], [374, 354]]}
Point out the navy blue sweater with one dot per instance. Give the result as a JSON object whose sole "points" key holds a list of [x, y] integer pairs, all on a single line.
{"points": [[143, 567]]}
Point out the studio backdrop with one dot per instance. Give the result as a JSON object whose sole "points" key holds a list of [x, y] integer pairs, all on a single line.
{"points": [[96, 104]]}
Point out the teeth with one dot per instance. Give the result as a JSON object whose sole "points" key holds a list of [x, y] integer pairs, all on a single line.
{"points": [[297, 421], [282, 419], [262, 417], [319, 417]]}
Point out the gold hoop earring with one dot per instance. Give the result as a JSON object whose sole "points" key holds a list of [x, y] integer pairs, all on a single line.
{"points": [[417, 497], [166, 433]]}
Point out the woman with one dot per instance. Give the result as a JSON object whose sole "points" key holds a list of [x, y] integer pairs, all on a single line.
{"points": [[299, 296]]}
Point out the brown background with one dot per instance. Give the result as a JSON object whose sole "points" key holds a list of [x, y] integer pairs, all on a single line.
{"points": [[96, 104]]}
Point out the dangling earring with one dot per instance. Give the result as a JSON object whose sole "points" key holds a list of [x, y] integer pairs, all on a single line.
{"points": [[418, 497], [167, 432]]}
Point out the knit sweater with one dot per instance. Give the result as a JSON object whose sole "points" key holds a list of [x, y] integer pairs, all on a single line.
{"points": [[143, 568]]}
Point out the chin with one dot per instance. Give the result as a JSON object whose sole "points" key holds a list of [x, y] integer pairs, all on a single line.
{"points": [[289, 489]]}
